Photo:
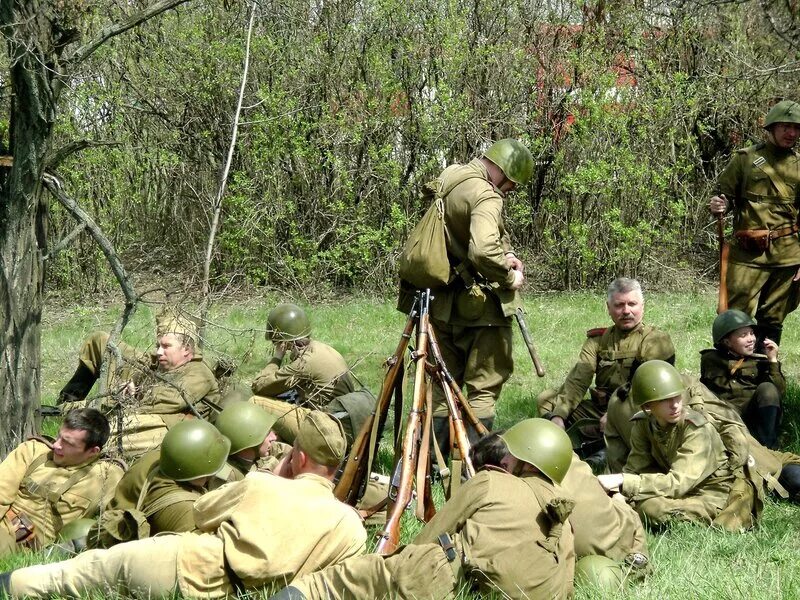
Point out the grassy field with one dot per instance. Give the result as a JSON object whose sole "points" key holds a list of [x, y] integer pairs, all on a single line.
{"points": [[688, 562]]}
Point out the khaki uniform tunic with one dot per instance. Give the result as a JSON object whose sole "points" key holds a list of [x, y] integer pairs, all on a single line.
{"points": [[511, 535], [608, 356], [735, 381], [164, 398], [81, 500], [477, 351], [679, 471], [759, 283], [261, 530], [601, 525]]}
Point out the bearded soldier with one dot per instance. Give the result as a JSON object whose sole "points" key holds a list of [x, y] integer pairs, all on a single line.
{"points": [[760, 187], [472, 315]]}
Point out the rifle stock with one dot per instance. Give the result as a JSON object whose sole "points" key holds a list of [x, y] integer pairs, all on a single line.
{"points": [[350, 484], [390, 536], [722, 298], [526, 335]]}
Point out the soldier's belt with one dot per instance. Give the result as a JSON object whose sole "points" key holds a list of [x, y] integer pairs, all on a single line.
{"points": [[758, 240], [24, 529]]}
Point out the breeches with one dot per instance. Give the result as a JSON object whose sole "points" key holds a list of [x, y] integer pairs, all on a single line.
{"points": [[480, 359], [769, 294]]}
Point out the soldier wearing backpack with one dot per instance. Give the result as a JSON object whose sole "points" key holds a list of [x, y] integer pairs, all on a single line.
{"points": [[462, 251]]}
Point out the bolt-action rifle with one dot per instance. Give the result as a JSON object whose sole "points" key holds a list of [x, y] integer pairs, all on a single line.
{"points": [[526, 335], [722, 299]]}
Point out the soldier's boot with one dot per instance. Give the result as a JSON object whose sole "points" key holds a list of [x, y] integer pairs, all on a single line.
{"points": [[441, 430], [289, 593], [5, 584], [767, 424], [790, 480], [78, 386], [597, 461], [772, 332]]}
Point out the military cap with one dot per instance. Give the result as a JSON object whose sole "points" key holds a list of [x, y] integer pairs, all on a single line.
{"points": [[171, 321], [321, 437]]}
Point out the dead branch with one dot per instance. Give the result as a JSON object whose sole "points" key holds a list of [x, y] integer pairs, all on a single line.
{"points": [[64, 242]]}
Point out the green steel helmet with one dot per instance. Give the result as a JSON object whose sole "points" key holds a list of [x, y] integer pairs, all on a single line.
{"points": [[655, 380], [514, 158], [600, 572], [75, 530], [287, 323], [192, 449], [785, 111], [541, 443], [728, 322], [244, 424]]}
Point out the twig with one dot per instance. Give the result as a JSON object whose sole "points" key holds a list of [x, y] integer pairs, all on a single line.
{"points": [[64, 242]]}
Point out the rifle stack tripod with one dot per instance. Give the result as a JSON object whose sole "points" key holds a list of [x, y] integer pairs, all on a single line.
{"points": [[412, 461]]}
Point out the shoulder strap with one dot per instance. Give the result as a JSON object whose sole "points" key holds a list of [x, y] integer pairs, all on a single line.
{"points": [[168, 500], [151, 474]]}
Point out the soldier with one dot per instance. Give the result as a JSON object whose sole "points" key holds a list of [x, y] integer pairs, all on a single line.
{"points": [[254, 445], [609, 356], [164, 389], [760, 187], [752, 383], [472, 316], [602, 525], [45, 485], [315, 376], [257, 531], [158, 492], [678, 467], [504, 530]]}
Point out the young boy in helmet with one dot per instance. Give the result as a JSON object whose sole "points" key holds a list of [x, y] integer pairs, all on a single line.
{"points": [[751, 383], [678, 467], [759, 186], [504, 530]]}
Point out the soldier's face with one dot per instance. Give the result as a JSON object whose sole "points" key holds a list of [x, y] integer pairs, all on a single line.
{"points": [[785, 134], [667, 411], [171, 353], [70, 448], [626, 310], [741, 341]]}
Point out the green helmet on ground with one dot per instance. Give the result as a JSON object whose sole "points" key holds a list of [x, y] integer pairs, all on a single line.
{"points": [[193, 449], [514, 158], [728, 322], [75, 530], [655, 380], [785, 111], [287, 323], [600, 572], [541, 443], [244, 424]]}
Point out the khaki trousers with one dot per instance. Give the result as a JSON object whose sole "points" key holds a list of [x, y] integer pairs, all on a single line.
{"points": [[768, 294]]}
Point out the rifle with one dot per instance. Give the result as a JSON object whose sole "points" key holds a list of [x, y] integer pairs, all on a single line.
{"points": [[526, 335], [352, 481], [722, 298], [400, 491]]}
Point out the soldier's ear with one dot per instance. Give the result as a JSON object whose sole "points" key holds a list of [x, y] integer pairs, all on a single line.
{"points": [[94, 450]]}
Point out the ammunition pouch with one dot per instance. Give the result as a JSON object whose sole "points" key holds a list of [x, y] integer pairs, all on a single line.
{"points": [[471, 302], [758, 240]]}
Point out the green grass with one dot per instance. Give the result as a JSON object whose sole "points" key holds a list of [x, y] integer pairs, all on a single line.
{"points": [[688, 561]]}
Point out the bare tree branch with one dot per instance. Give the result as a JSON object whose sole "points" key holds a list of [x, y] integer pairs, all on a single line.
{"points": [[119, 27], [54, 160], [65, 241], [217, 205]]}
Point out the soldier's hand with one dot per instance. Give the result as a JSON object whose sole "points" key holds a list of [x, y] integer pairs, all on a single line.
{"points": [[771, 350], [796, 275], [611, 483], [718, 205], [603, 420], [519, 279], [279, 351], [514, 262], [558, 421], [129, 391]]}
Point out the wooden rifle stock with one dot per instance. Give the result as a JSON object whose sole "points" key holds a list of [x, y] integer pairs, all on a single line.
{"points": [[526, 335], [350, 485], [390, 536], [722, 298]]}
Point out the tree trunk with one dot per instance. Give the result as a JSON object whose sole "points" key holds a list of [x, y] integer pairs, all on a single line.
{"points": [[29, 36]]}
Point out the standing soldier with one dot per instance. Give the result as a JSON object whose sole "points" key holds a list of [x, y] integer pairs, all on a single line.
{"points": [[472, 315], [760, 186], [44, 485]]}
